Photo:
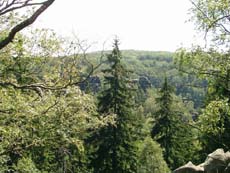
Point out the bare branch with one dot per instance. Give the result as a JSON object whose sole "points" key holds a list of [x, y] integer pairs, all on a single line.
{"points": [[14, 5], [37, 87], [25, 23], [34, 86], [92, 67]]}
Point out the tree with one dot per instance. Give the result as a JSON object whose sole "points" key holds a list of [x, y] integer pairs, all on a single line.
{"points": [[44, 119], [164, 128], [171, 129], [151, 158], [214, 123], [116, 150], [50, 132], [10, 6], [212, 64], [26, 165], [212, 16]]}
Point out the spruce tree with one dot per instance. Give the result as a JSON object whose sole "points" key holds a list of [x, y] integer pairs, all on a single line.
{"points": [[163, 130], [116, 151], [171, 131]]}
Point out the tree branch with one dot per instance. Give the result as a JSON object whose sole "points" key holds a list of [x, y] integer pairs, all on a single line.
{"points": [[25, 23], [212, 22], [4, 11], [6, 7]]}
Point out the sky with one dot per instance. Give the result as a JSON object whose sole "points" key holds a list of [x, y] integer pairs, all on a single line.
{"points": [[154, 25]]}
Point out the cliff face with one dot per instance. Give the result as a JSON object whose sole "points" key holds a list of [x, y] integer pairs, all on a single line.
{"points": [[216, 162]]}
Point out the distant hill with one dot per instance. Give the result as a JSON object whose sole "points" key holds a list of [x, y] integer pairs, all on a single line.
{"points": [[151, 67]]}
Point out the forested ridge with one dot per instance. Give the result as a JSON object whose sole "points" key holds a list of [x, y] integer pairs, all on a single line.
{"points": [[65, 110], [149, 69]]}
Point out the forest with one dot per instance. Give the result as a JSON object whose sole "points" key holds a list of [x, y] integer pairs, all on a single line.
{"points": [[66, 110]]}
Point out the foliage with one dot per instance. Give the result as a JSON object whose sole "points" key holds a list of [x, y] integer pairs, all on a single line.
{"points": [[212, 17], [211, 63], [26, 165], [52, 128], [149, 69], [214, 124], [164, 127], [151, 158], [47, 124], [44, 117], [15, 17], [171, 129], [116, 151]]}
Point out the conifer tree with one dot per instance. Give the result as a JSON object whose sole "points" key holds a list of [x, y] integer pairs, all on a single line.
{"points": [[163, 130], [171, 132], [116, 151]]}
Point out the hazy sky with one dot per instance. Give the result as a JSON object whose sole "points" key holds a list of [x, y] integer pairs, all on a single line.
{"points": [[139, 24]]}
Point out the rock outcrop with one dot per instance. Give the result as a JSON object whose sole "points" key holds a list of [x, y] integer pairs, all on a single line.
{"points": [[216, 162], [189, 167]]}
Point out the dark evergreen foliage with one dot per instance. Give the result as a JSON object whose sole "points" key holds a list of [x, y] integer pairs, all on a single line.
{"points": [[116, 151], [164, 128], [171, 131]]}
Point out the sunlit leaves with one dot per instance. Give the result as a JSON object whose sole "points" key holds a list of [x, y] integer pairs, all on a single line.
{"points": [[43, 121], [213, 16], [151, 157], [212, 64], [26, 165], [53, 121], [43, 43], [212, 118]]}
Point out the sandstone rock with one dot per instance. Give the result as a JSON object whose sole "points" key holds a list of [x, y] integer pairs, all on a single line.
{"points": [[189, 168], [216, 162]]}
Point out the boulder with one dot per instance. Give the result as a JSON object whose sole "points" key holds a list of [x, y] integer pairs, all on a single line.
{"points": [[216, 162]]}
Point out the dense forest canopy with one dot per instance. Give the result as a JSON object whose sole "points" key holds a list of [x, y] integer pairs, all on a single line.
{"points": [[64, 110]]}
